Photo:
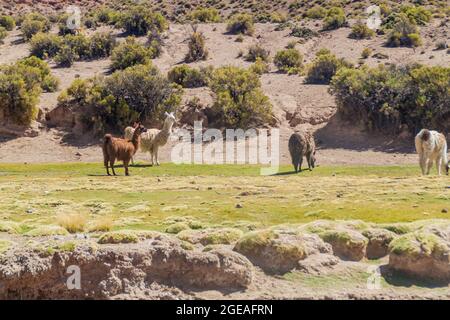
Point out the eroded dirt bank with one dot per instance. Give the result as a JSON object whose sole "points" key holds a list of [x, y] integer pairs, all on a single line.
{"points": [[319, 260]]}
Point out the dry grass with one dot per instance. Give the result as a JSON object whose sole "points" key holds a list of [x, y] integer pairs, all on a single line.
{"points": [[74, 222]]}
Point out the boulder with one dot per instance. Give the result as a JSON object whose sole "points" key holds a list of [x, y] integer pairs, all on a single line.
{"points": [[422, 255], [379, 240], [279, 251], [347, 244]]}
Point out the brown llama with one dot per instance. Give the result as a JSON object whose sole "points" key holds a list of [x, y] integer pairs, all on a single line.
{"points": [[121, 149], [302, 145]]}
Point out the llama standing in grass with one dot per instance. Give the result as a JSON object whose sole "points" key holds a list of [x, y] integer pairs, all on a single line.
{"points": [[121, 149], [301, 145], [431, 146], [155, 138]]}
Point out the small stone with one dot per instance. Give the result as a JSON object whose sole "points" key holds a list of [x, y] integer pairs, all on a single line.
{"points": [[445, 210], [239, 206], [78, 154], [30, 211]]}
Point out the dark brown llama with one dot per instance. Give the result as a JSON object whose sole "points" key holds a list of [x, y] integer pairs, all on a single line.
{"points": [[302, 145], [121, 149]]}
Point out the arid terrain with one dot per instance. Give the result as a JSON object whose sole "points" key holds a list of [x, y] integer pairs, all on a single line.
{"points": [[363, 224]]}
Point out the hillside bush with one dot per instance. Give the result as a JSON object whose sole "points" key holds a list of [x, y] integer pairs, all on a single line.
{"points": [[45, 45], [205, 15], [7, 22], [140, 20], [303, 32], [239, 99], [259, 67], [196, 47], [334, 19], [66, 56], [316, 12], [403, 33], [324, 67], [360, 30], [34, 23], [386, 98], [255, 52], [3, 34], [417, 14], [289, 61], [101, 45], [20, 87], [130, 53], [189, 77], [241, 23], [112, 103]]}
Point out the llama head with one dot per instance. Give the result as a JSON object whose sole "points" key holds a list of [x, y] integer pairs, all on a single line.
{"points": [[170, 118], [140, 128]]}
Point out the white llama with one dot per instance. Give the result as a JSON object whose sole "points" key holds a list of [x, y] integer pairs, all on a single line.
{"points": [[431, 146], [154, 138]]}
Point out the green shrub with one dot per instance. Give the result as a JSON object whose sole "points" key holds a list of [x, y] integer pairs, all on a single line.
{"points": [[403, 33], [255, 52], [259, 67], [130, 53], [334, 19], [417, 14], [189, 77], [34, 23], [289, 60], [45, 45], [3, 34], [111, 103], [20, 87], [360, 30], [324, 67], [140, 20], [7, 22], [66, 56], [79, 45], [106, 15], [241, 23], [385, 98], [316, 12], [240, 101], [41, 69], [205, 15], [277, 17], [303, 32], [366, 53], [101, 45], [197, 49]]}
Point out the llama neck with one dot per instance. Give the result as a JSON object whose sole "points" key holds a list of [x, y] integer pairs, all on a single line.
{"points": [[136, 140], [167, 127]]}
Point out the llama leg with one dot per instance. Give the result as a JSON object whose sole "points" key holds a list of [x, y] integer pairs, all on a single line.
{"points": [[308, 159], [132, 161], [111, 163], [105, 162], [156, 156], [439, 165], [151, 157], [429, 166], [125, 164], [300, 161], [423, 163]]}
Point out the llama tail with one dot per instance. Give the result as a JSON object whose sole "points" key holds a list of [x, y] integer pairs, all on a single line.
{"points": [[107, 140]]}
